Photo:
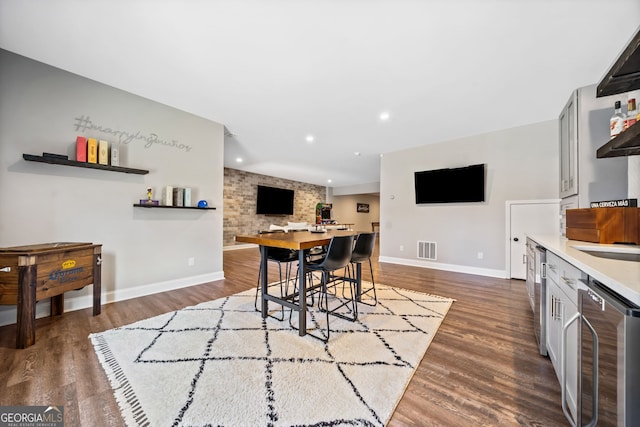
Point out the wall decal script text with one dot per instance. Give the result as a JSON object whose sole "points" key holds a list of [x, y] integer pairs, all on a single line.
{"points": [[84, 123]]}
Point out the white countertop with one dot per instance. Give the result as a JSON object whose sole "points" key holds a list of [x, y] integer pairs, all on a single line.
{"points": [[622, 277]]}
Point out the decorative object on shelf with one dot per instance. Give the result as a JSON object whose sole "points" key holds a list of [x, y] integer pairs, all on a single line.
{"points": [[81, 149], [187, 196], [178, 196], [66, 162], [203, 204], [149, 200], [167, 196], [115, 154], [362, 207], [92, 150], [145, 205], [103, 152]]}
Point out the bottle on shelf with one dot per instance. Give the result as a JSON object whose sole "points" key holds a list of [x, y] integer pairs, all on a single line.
{"points": [[632, 114], [616, 123]]}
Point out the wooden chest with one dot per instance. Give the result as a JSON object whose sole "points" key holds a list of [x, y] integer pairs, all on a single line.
{"points": [[604, 225], [31, 273]]}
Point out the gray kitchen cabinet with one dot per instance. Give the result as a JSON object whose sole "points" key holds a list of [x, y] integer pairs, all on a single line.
{"points": [[562, 307], [568, 121], [583, 126]]}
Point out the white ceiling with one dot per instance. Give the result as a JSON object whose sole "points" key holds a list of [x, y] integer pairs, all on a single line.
{"points": [[275, 71]]}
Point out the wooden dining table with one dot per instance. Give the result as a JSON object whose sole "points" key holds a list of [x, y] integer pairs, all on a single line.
{"points": [[301, 241]]}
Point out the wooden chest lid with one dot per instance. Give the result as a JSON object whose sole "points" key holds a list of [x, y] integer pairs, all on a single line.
{"points": [[42, 247]]}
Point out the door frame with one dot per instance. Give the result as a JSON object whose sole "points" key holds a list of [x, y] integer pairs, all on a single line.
{"points": [[507, 234]]}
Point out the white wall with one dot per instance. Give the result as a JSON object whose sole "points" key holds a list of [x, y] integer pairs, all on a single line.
{"points": [[521, 164], [344, 211], [144, 250]]}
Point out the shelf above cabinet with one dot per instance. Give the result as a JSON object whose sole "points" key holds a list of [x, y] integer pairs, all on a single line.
{"points": [[626, 143], [139, 205], [66, 162]]}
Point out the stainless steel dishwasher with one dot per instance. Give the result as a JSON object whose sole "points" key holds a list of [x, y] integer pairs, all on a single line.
{"points": [[537, 291], [610, 359]]}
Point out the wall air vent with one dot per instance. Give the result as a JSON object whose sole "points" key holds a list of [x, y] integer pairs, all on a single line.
{"points": [[427, 250]]}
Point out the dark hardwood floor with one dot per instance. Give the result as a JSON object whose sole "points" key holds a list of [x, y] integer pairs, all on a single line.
{"points": [[482, 368]]}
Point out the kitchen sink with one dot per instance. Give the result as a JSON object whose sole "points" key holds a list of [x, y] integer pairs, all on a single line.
{"points": [[622, 253]]}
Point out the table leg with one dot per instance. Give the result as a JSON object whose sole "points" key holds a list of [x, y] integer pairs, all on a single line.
{"points": [[302, 293], [264, 279], [26, 322]]}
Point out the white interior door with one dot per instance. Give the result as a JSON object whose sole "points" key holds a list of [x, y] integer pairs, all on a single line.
{"points": [[530, 217]]}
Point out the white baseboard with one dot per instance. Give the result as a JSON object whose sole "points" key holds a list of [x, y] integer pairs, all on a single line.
{"points": [[43, 308], [502, 274], [243, 246]]}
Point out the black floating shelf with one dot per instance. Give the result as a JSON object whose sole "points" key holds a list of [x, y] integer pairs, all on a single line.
{"points": [[139, 205], [67, 162], [627, 143]]}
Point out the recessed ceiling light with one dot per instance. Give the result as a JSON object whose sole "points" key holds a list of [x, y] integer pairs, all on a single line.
{"points": [[239, 159], [329, 181], [310, 138], [384, 116], [357, 153]]}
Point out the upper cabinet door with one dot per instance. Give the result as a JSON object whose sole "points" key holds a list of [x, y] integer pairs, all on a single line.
{"points": [[568, 124]]}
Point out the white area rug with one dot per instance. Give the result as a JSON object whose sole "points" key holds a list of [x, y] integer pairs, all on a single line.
{"points": [[220, 364]]}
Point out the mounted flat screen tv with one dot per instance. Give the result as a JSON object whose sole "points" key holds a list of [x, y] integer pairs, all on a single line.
{"points": [[274, 201], [453, 185]]}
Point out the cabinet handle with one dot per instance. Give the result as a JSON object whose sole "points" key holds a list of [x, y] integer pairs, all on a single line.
{"points": [[569, 282], [558, 309], [563, 375], [524, 259], [5, 269]]}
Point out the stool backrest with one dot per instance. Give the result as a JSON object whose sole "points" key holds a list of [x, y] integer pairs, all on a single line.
{"points": [[365, 243], [338, 254]]}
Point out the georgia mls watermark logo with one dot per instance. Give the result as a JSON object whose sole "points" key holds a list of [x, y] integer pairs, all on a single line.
{"points": [[31, 416]]}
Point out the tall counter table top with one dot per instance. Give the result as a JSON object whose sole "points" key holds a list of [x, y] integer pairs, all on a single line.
{"points": [[622, 277]]}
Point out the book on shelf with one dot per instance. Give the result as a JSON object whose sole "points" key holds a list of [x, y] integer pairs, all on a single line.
{"points": [[187, 196], [167, 196], [115, 155], [103, 152], [178, 196], [81, 149], [92, 150]]}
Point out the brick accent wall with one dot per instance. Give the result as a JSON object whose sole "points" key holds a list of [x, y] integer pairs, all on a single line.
{"points": [[240, 190]]}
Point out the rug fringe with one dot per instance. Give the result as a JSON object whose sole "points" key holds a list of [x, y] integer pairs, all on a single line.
{"points": [[122, 389]]}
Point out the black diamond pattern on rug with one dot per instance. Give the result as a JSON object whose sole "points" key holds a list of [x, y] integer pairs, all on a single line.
{"points": [[220, 363]]}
